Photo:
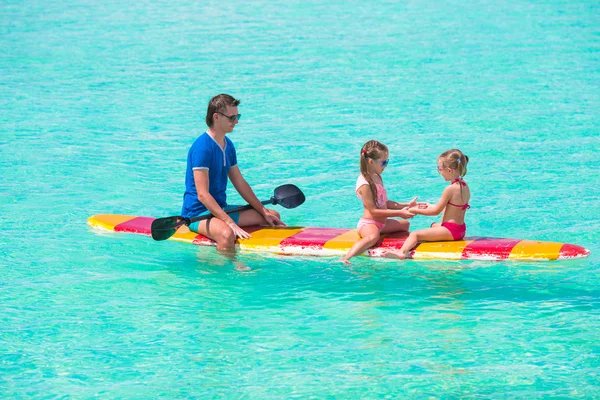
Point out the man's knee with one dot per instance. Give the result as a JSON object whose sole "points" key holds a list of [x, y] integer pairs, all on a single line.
{"points": [[225, 238]]}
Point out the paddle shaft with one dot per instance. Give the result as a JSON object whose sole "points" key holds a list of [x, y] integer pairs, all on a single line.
{"points": [[288, 196], [235, 209]]}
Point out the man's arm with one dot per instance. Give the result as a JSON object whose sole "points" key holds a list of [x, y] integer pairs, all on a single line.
{"points": [[201, 180], [244, 189]]}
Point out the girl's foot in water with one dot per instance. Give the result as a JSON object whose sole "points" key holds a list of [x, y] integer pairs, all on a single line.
{"points": [[398, 255], [345, 260]]}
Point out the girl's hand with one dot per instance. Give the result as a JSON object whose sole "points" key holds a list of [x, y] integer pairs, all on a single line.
{"points": [[418, 208], [413, 202], [406, 213]]}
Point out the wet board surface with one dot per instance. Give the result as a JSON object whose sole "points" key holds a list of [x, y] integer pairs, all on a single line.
{"points": [[313, 241]]}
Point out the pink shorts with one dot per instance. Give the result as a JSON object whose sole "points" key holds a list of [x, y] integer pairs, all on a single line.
{"points": [[366, 221], [457, 231]]}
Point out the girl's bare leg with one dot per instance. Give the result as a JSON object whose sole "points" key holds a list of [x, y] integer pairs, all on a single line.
{"points": [[438, 233], [395, 225], [369, 236]]}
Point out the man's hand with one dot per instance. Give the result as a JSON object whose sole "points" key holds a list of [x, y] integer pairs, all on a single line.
{"points": [[239, 232], [272, 220]]}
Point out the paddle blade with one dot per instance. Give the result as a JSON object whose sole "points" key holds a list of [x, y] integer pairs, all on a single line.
{"points": [[288, 196], [164, 228]]}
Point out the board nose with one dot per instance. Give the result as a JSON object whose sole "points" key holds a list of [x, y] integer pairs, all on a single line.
{"points": [[572, 251]]}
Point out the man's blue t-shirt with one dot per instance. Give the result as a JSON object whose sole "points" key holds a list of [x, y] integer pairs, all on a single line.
{"points": [[206, 153]]}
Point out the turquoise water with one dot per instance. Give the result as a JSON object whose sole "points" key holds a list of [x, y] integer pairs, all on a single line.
{"points": [[100, 101]]}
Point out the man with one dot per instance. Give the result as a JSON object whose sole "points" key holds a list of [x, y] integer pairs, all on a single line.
{"points": [[211, 160]]}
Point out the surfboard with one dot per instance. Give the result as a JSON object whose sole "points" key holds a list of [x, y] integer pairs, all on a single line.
{"points": [[314, 241]]}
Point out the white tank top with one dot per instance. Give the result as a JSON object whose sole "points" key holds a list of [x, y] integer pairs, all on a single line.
{"points": [[381, 193]]}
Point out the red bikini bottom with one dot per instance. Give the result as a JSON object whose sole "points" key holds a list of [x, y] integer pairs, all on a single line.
{"points": [[457, 231]]}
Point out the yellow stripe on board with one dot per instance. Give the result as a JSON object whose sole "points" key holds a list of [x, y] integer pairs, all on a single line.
{"points": [[343, 241], [451, 250], [534, 249], [108, 221], [183, 234], [268, 237]]}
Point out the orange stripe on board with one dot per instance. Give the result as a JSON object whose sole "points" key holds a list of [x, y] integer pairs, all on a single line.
{"points": [[343, 241], [268, 237], [451, 250], [534, 249], [184, 234]]}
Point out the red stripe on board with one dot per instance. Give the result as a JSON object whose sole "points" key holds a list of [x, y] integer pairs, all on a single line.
{"points": [[392, 240], [572, 251], [496, 248], [312, 237], [139, 225], [203, 240]]}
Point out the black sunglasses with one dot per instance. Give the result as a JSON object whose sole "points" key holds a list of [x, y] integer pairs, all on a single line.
{"points": [[231, 118]]}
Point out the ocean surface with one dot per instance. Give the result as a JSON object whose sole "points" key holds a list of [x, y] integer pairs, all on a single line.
{"points": [[100, 101]]}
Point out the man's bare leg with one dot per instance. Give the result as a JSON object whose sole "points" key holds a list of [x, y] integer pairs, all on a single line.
{"points": [[221, 233]]}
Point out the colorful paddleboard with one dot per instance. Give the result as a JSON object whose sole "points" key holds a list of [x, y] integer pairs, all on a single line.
{"points": [[293, 240]]}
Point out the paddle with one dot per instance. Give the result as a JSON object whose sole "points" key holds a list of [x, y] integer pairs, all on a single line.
{"points": [[287, 196]]}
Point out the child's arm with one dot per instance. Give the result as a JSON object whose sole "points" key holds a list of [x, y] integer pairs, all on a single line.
{"points": [[394, 205], [434, 209], [367, 198]]}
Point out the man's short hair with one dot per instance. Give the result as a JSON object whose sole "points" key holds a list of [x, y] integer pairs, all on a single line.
{"points": [[219, 103]]}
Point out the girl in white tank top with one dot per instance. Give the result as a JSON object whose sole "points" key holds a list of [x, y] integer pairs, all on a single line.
{"points": [[377, 208]]}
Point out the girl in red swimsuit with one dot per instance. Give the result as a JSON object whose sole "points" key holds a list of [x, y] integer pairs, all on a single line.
{"points": [[452, 165]]}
